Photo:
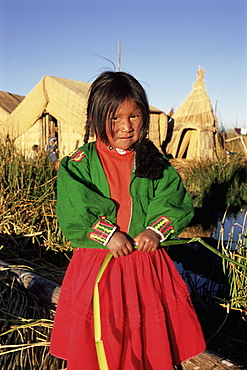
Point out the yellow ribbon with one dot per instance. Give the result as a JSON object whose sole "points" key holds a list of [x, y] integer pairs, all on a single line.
{"points": [[97, 320]]}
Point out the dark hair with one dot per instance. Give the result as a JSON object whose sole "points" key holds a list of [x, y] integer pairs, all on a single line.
{"points": [[106, 93]]}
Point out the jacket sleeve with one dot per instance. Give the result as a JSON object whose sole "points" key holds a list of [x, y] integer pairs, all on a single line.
{"points": [[171, 208], [84, 213]]}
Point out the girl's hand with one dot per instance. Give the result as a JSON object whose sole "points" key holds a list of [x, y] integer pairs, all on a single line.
{"points": [[147, 241], [119, 245]]}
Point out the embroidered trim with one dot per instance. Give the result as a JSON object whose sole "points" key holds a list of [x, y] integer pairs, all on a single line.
{"points": [[77, 155], [162, 227], [103, 230], [168, 234]]}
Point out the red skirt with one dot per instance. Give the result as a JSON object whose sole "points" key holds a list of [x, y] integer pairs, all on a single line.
{"points": [[147, 318]]}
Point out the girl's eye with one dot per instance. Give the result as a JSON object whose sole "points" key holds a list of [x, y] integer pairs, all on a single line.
{"points": [[133, 116]]}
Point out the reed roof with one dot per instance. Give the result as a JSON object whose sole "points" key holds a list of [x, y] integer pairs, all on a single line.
{"points": [[196, 110], [9, 102], [63, 98]]}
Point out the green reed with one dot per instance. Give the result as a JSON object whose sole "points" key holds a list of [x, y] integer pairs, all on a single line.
{"points": [[28, 197], [217, 183], [234, 250]]}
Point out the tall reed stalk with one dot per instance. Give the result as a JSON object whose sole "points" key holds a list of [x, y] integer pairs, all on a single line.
{"points": [[236, 276], [27, 198]]}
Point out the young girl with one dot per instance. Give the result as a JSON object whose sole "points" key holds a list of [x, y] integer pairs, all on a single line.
{"points": [[120, 195]]}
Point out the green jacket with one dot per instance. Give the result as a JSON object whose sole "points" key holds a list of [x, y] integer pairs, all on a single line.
{"points": [[87, 215]]}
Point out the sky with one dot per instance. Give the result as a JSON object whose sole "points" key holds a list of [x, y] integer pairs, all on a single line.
{"points": [[163, 43]]}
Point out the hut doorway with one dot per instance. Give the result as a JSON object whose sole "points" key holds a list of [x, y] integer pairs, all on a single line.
{"points": [[49, 129], [188, 144]]}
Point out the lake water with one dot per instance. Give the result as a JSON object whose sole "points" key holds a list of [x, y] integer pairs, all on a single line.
{"points": [[231, 231], [234, 228]]}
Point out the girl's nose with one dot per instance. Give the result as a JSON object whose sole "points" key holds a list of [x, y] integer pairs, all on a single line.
{"points": [[126, 125]]}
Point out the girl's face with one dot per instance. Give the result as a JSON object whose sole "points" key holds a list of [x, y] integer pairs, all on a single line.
{"points": [[125, 125]]}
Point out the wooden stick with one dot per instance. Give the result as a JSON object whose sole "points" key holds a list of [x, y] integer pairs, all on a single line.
{"points": [[46, 290]]}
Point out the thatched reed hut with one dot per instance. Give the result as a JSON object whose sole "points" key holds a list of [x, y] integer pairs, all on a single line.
{"points": [[56, 107], [192, 129]]}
